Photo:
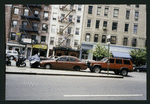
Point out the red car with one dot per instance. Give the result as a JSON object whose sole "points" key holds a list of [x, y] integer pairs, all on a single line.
{"points": [[64, 62]]}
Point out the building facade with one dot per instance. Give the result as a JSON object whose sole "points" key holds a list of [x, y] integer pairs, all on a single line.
{"points": [[126, 24], [65, 30], [29, 29]]}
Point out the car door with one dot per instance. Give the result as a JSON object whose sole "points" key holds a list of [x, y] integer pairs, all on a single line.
{"points": [[70, 63], [111, 64], [61, 63], [118, 64]]}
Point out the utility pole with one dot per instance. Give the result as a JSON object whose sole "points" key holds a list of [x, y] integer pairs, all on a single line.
{"points": [[108, 42]]}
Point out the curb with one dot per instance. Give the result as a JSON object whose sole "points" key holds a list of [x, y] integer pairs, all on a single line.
{"points": [[33, 73]]}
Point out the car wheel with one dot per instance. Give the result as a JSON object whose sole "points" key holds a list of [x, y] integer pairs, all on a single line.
{"points": [[138, 70], [124, 72], [97, 69], [76, 68], [47, 66], [116, 72]]}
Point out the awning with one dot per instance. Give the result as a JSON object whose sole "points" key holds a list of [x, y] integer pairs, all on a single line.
{"points": [[117, 54]]}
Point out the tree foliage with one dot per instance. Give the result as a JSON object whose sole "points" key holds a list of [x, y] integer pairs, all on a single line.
{"points": [[100, 51], [139, 55]]}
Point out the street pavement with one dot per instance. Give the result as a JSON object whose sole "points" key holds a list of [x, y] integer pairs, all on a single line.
{"points": [[44, 87]]}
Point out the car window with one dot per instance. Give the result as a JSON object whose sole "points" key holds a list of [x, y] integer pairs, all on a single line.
{"points": [[111, 60], [15, 52], [118, 61], [62, 59], [72, 59], [127, 62], [9, 52]]}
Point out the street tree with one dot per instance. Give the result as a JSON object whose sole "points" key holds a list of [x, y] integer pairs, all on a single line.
{"points": [[139, 56], [100, 52]]}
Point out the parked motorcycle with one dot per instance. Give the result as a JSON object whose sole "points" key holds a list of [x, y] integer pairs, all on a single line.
{"points": [[21, 61], [8, 62], [34, 61]]}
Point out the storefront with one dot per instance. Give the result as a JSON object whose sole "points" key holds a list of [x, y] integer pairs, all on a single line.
{"points": [[39, 49]]}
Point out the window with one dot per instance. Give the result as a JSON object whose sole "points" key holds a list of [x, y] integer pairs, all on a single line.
{"points": [[44, 27], [98, 10], [71, 6], [77, 31], [127, 62], [79, 7], [134, 42], [24, 24], [113, 39], [90, 10], [96, 38], [114, 26], [62, 59], [16, 10], [106, 11], [78, 19], [97, 23], [51, 40], [59, 40], [33, 37], [126, 27], [125, 41], [13, 36], [69, 30], [23, 36], [54, 16], [118, 61], [127, 14], [68, 42], [45, 15], [72, 59], [35, 26], [135, 29], [111, 60], [87, 37], [70, 18], [14, 24], [105, 24], [76, 42], [137, 5], [43, 38], [36, 13], [136, 15], [26, 12], [84, 54], [116, 12], [61, 28], [53, 29], [103, 38], [88, 23]]}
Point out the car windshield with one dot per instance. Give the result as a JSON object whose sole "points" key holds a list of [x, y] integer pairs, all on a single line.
{"points": [[104, 59]]}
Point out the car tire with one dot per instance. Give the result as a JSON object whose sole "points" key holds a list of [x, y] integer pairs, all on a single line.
{"points": [[116, 72], [47, 66], [76, 68], [124, 72], [97, 69]]}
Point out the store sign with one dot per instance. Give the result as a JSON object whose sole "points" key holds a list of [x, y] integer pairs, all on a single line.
{"points": [[18, 34], [26, 40], [39, 46]]}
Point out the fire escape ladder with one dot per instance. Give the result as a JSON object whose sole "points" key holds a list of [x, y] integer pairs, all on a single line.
{"points": [[64, 6], [26, 33], [29, 23], [65, 27], [30, 10]]}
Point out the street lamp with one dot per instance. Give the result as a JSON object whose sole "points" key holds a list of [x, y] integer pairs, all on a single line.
{"points": [[108, 42]]}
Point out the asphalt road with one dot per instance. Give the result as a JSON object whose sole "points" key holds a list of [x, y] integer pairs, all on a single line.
{"points": [[38, 87]]}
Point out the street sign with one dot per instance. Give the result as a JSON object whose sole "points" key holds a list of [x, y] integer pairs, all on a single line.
{"points": [[18, 34]]}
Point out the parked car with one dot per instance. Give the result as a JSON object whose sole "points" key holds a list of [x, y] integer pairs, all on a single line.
{"points": [[119, 66], [64, 62], [49, 58], [141, 68], [12, 54]]}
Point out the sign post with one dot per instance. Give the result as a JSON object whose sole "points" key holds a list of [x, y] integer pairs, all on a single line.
{"points": [[108, 42]]}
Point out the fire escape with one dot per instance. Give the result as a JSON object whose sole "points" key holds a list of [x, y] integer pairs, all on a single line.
{"points": [[69, 21], [28, 26]]}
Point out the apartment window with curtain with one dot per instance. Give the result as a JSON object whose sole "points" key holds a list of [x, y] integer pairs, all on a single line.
{"points": [[134, 42], [90, 9], [88, 23], [16, 10], [77, 31], [127, 14], [36, 13], [135, 29], [106, 11], [96, 38], [116, 13], [136, 15], [79, 7], [103, 38], [13, 36], [35, 26], [24, 24], [70, 18], [61, 28], [44, 27], [97, 23], [126, 27], [14, 23], [113, 39], [105, 24], [87, 37], [45, 14], [125, 41], [114, 25], [98, 11], [78, 19], [26, 12]]}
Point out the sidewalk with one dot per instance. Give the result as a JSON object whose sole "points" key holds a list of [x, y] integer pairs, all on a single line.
{"points": [[38, 71]]}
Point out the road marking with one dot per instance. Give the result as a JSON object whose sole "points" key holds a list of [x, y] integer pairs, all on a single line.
{"points": [[102, 95]]}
